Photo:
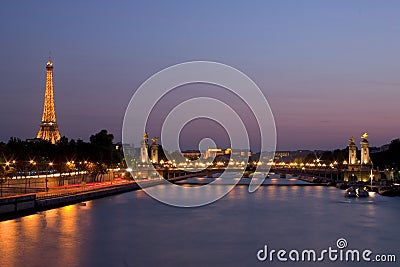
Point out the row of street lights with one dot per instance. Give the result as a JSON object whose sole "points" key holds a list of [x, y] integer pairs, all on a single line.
{"points": [[27, 168]]}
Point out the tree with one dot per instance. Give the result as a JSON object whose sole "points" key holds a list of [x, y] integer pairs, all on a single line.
{"points": [[390, 158], [103, 149]]}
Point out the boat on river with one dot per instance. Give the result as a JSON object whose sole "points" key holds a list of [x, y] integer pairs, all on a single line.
{"points": [[389, 191], [342, 186], [354, 192]]}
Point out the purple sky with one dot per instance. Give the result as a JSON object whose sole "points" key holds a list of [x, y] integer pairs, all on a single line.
{"points": [[329, 70]]}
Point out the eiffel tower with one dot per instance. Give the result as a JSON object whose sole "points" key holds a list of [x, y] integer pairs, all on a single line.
{"points": [[48, 128]]}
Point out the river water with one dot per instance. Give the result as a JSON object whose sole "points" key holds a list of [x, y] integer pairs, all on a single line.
{"points": [[133, 229]]}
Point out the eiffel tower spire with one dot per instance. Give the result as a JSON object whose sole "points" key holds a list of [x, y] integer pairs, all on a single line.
{"points": [[48, 128]]}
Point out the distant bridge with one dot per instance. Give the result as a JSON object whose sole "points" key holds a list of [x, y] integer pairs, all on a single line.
{"points": [[326, 174]]}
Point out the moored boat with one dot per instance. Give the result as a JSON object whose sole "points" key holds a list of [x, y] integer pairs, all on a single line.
{"points": [[331, 183], [350, 192], [388, 191], [353, 192], [361, 192], [342, 186]]}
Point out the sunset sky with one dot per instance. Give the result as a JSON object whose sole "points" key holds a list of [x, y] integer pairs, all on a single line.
{"points": [[329, 69]]}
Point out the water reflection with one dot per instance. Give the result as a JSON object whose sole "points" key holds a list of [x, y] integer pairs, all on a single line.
{"points": [[8, 242], [134, 230], [52, 235]]}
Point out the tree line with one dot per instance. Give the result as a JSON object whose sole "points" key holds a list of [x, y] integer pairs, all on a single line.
{"points": [[19, 157]]}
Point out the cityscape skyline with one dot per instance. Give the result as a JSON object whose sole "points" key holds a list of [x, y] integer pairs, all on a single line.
{"points": [[199, 133], [324, 81], [49, 116]]}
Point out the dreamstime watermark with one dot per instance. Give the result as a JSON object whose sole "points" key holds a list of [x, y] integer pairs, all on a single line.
{"points": [[338, 253], [157, 86]]}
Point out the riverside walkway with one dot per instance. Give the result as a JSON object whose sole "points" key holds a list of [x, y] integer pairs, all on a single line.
{"points": [[25, 204]]}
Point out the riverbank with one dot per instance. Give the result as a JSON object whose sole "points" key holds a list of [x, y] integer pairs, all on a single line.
{"points": [[25, 204], [22, 205]]}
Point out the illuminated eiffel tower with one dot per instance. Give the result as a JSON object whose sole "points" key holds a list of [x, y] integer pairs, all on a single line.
{"points": [[48, 128]]}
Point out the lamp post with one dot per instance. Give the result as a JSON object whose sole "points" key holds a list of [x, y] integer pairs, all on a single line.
{"points": [[83, 171], [344, 170], [33, 163], [371, 175], [70, 166], [6, 172], [335, 167], [50, 166]]}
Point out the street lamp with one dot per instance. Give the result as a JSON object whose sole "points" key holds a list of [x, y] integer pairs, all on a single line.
{"points": [[50, 166], [7, 171], [33, 163], [371, 175]]}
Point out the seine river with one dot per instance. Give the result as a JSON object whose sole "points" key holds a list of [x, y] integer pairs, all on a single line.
{"points": [[132, 229]]}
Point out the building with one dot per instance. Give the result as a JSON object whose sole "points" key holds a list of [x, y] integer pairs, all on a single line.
{"points": [[244, 153], [281, 154], [48, 128], [213, 152], [288, 156], [191, 154]]}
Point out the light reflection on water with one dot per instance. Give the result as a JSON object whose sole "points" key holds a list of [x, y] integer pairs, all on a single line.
{"points": [[134, 230]]}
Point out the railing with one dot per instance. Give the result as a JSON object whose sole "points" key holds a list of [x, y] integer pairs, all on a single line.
{"points": [[75, 191]]}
